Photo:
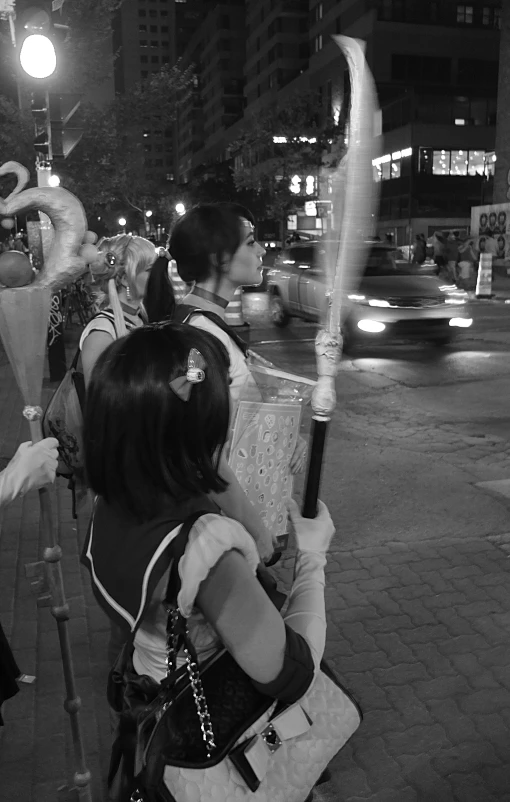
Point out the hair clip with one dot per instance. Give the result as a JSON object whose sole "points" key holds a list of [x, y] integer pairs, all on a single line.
{"points": [[110, 259], [195, 374]]}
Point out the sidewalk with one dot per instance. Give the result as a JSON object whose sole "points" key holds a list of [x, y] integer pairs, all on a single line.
{"points": [[419, 632]]}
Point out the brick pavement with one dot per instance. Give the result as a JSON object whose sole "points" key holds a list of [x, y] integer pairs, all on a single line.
{"points": [[419, 632]]}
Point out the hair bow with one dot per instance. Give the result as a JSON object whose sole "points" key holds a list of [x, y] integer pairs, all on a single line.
{"points": [[195, 374]]}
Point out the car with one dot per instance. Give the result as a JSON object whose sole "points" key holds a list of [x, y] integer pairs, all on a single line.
{"points": [[394, 300]]}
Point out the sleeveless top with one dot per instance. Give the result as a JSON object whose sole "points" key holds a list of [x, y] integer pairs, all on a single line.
{"points": [[129, 563]]}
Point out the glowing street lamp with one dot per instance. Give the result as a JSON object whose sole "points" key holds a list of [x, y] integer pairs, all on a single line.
{"points": [[180, 208], [122, 222], [148, 213], [54, 180]]}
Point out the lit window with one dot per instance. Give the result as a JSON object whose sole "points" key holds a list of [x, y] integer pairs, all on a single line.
{"points": [[396, 169], [465, 15], [476, 162], [318, 12], [310, 185], [385, 171], [459, 162], [441, 162]]}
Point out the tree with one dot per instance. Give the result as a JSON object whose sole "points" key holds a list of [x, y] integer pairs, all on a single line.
{"points": [[106, 170], [281, 144]]}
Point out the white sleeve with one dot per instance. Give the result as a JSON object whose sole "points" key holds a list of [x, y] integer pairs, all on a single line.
{"points": [[98, 324], [211, 537], [239, 371]]}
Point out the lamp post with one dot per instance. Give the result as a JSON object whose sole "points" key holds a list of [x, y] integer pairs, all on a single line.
{"points": [[122, 223], [180, 209]]}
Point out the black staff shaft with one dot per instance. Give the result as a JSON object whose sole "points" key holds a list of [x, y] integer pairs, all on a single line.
{"points": [[314, 469]]}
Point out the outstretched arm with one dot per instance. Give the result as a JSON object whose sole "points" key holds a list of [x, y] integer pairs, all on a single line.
{"points": [[32, 467]]}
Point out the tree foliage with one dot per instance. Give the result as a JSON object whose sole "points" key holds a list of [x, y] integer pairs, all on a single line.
{"points": [[279, 144]]}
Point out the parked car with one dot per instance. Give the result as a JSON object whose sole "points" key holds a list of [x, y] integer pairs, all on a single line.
{"points": [[393, 300]]}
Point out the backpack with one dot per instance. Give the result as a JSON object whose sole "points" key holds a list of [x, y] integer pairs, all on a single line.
{"points": [[63, 419]]}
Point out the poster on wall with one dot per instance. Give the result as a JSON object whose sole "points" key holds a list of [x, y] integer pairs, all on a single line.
{"points": [[490, 221]]}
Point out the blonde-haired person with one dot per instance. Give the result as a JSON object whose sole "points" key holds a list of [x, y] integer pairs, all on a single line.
{"points": [[121, 271]]}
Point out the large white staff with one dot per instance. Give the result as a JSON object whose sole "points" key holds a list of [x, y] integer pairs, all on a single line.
{"points": [[24, 314], [354, 201]]}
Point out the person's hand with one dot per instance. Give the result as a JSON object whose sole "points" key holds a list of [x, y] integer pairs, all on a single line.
{"points": [[312, 534], [32, 467], [298, 459]]}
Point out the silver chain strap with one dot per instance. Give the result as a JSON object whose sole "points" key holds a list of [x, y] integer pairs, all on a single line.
{"points": [[195, 680]]}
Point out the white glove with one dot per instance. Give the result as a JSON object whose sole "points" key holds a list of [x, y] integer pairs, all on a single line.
{"points": [[306, 612], [32, 467]]}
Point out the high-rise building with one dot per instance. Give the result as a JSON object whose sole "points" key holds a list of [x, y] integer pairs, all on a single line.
{"points": [[141, 38], [216, 54], [435, 65]]}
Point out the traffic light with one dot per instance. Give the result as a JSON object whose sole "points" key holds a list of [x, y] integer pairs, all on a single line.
{"points": [[65, 129], [42, 125], [35, 34]]}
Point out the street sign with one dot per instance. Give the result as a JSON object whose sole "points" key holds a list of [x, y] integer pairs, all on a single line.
{"points": [[311, 208]]}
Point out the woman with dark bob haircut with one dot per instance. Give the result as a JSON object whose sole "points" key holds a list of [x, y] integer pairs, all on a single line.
{"points": [[215, 250], [155, 423]]}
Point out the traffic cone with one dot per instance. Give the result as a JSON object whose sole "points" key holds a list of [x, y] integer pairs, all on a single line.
{"points": [[234, 314], [179, 286], [484, 279]]}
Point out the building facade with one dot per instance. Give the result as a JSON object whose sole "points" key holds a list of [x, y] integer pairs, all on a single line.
{"points": [[435, 66], [141, 40]]}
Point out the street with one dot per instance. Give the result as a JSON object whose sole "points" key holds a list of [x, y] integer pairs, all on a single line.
{"points": [[415, 430]]}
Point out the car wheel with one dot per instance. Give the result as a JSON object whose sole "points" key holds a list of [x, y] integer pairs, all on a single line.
{"points": [[279, 314]]}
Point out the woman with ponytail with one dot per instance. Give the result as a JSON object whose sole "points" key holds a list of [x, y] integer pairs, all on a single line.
{"points": [[121, 271]]}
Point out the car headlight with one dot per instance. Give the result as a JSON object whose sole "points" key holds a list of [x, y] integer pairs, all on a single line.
{"points": [[356, 298], [373, 326], [455, 301], [377, 302]]}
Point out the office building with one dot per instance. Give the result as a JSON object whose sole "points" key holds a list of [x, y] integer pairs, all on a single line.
{"points": [[435, 65], [141, 38]]}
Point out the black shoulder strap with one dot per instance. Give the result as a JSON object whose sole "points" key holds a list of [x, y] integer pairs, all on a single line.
{"points": [[184, 313]]}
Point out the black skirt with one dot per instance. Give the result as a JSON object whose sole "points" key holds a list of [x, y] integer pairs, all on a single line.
{"points": [[9, 672]]}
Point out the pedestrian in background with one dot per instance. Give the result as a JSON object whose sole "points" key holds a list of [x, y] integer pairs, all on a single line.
{"points": [[452, 255], [419, 250]]}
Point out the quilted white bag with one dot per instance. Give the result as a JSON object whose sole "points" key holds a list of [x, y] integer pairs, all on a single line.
{"points": [[290, 764]]}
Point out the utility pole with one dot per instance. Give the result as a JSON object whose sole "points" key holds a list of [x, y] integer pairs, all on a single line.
{"points": [[502, 173]]}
